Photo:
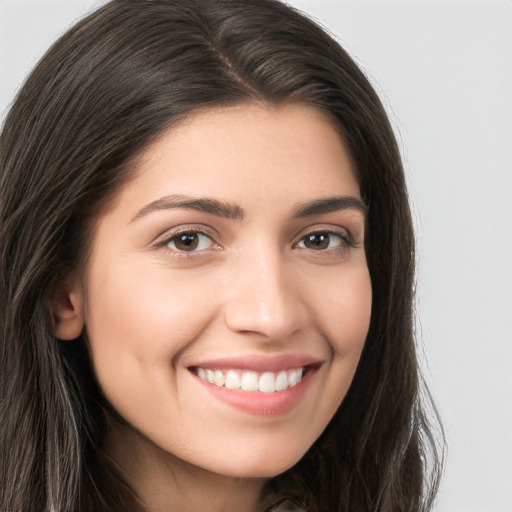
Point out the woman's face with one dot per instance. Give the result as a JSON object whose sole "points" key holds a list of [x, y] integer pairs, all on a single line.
{"points": [[227, 296]]}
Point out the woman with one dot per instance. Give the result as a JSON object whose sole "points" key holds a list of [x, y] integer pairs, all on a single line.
{"points": [[207, 273]]}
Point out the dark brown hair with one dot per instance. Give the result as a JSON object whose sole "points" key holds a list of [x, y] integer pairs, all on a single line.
{"points": [[100, 96]]}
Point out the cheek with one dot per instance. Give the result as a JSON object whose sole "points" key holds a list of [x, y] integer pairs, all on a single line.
{"points": [[143, 306], [349, 334], [354, 305], [343, 316], [343, 309], [138, 322]]}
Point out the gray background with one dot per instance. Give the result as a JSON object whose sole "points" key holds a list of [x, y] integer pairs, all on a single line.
{"points": [[444, 71]]}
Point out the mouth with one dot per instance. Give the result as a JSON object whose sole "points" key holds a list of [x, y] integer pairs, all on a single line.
{"points": [[252, 381], [259, 386]]}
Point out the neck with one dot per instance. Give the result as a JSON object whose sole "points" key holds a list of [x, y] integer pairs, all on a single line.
{"points": [[165, 483]]}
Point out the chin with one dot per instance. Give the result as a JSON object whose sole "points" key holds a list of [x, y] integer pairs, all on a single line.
{"points": [[266, 466]]}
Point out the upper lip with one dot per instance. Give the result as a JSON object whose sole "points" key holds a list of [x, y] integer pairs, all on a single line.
{"points": [[259, 363]]}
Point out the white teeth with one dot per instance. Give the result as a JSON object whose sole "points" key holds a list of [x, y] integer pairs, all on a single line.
{"points": [[219, 378], [232, 380], [295, 376], [267, 383], [251, 381], [282, 381]]}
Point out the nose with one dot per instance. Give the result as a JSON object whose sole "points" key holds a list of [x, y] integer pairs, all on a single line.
{"points": [[264, 299]]}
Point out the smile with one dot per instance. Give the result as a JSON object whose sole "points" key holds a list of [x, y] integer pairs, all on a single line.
{"points": [[252, 381], [259, 385]]}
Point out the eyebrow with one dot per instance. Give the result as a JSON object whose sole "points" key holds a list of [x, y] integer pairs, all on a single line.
{"points": [[328, 205], [215, 207], [233, 211]]}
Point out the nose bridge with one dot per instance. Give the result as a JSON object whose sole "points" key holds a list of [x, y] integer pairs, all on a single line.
{"points": [[264, 298]]}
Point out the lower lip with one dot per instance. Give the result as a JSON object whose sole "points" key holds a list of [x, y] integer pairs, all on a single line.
{"points": [[258, 403]]}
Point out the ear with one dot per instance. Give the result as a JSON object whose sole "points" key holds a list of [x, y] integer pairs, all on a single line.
{"points": [[67, 309]]}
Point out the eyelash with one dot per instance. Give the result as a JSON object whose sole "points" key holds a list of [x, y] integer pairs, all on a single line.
{"points": [[346, 241], [163, 243]]}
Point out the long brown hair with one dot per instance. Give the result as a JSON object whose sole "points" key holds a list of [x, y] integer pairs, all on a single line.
{"points": [[102, 94]]}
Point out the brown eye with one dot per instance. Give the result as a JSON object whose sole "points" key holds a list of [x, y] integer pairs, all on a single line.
{"points": [[190, 242], [325, 240], [186, 241], [317, 241]]}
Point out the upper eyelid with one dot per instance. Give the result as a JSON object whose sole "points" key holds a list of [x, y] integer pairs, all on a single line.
{"points": [[169, 234], [208, 231], [348, 241], [325, 228], [173, 240]]}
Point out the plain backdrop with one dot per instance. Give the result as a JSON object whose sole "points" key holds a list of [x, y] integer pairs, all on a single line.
{"points": [[444, 72]]}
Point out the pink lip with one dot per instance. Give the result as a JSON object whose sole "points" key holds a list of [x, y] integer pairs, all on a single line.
{"points": [[261, 404], [259, 363]]}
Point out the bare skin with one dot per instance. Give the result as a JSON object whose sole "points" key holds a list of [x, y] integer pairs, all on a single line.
{"points": [[227, 301], [162, 479]]}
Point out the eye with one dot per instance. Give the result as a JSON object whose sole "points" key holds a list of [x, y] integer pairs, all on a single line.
{"points": [[325, 240], [190, 241]]}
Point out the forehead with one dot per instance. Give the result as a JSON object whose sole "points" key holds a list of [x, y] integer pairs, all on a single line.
{"points": [[246, 147]]}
